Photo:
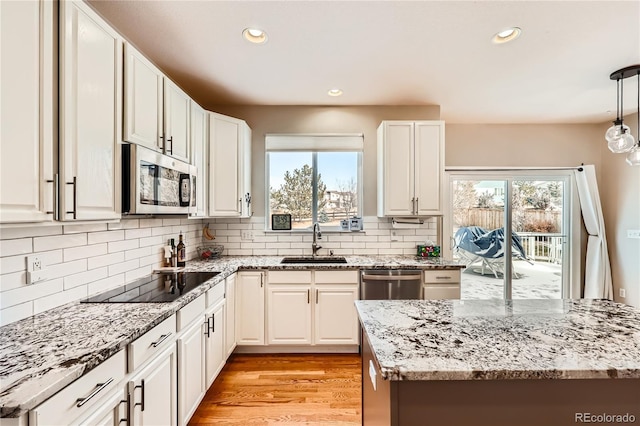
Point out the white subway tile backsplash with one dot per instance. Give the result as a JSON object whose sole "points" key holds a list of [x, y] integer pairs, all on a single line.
{"points": [[125, 224], [137, 233], [155, 260], [63, 269], [59, 241], [27, 232], [123, 245], [105, 284], [106, 260], [75, 280], [89, 227], [137, 273], [12, 280], [13, 247], [170, 222], [16, 312], [11, 264], [119, 268], [83, 252], [105, 237], [137, 253], [150, 223], [54, 300], [152, 241], [30, 292]]}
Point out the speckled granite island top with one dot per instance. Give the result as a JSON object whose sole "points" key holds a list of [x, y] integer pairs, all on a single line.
{"points": [[496, 339], [42, 354]]}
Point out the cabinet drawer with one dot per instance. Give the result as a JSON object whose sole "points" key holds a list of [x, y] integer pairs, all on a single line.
{"points": [[190, 312], [336, 277], [151, 343], [441, 291], [442, 276], [62, 408], [215, 294], [289, 277]]}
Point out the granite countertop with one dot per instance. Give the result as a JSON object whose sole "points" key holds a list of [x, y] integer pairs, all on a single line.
{"points": [[42, 354], [498, 339]]}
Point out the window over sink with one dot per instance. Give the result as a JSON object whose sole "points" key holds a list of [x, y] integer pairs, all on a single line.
{"points": [[314, 178]]}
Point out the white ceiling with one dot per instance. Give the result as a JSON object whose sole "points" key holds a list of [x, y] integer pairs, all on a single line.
{"points": [[396, 53]]}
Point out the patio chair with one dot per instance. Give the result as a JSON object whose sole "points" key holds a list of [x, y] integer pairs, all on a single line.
{"points": [[477, 245]]}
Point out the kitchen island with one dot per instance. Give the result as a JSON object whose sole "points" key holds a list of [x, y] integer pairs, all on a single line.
{"points": [[496, 362]]}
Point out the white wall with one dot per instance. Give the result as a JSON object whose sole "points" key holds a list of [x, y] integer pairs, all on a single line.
{"points": [[620, 196], [82, 260]]}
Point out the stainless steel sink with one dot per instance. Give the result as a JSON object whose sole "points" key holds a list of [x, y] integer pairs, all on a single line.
{"points": [[314, 259]]}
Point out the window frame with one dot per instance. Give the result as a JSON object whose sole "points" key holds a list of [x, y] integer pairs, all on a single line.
{"points": [[314, 151]]}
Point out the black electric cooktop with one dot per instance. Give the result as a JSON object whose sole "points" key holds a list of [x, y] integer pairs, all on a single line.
{"points": [[158, 287]]}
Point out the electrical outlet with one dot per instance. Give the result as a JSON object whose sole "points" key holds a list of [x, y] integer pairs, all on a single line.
{"points": [[246, 235], [633, 233], [35, 270], [623, 293], [394, 236]]}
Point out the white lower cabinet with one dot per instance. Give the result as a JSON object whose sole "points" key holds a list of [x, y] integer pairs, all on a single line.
{"points": [[191, 380], [215, 351], [312, 308], [111, 411], [230, 315], [153, 391], [441, 284], [250, 308]]}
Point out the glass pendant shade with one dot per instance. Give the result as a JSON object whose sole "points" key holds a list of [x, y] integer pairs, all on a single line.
{"points": [[615, 131], [622, 143], [633, 159]]}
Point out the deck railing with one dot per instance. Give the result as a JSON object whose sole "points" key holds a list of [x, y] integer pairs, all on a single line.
{"points": [[542, 247]]}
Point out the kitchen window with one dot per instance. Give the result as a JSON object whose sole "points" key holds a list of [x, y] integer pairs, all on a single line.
{"points": [[314, 178]]}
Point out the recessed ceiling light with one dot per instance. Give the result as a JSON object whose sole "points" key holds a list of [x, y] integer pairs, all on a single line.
{"points": [[507, 35], [254, 35], [335, 92]]}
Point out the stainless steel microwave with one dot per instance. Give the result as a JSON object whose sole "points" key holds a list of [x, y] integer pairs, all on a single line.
{"points": [[154, 183]]}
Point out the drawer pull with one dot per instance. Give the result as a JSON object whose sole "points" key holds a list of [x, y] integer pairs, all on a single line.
{"points": [[443, 278], [160, 340], [99, 387]]}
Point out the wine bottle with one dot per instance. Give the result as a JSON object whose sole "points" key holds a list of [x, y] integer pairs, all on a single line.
{"points": [[182, 252]]}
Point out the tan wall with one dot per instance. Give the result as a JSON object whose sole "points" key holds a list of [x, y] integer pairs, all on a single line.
{"points": [[620, 195], [316, 119]]}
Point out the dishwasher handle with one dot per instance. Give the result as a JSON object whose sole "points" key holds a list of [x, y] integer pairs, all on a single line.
{"points": [[391, 277]]}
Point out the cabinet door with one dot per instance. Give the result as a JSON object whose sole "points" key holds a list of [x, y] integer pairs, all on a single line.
{"points": [[336, 319], [191, 370], [112, 411], [90, 114], [153, 392], [289, 314], [26, 93], [230, 316], [177, 109], [142, 100], [396, 169], [199, 159], [245, 171], [215, 353], [250, 308], [429, 163], [224, 155]]}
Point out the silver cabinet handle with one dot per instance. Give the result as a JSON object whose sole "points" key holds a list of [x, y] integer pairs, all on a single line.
{"points": [[99, 387], [391, 277], [75, 196], [160, 340]]}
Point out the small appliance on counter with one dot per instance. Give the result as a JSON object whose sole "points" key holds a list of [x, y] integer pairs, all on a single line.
{"points": [[356, 224]]}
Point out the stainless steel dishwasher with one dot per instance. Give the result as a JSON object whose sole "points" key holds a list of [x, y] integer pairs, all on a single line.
{"points": [[387, 284]]}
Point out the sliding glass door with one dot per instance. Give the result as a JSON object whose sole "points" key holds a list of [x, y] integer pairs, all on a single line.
{"points": [[513, 231]]}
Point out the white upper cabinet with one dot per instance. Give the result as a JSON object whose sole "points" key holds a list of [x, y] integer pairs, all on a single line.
{"points": [[27, 140], [410, 168], [143, 100], [90, 114], [199, 156], [156, 110], [177, 110], [229, 167]]}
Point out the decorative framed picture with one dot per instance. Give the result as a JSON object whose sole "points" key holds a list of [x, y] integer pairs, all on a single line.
{"points": [[281, 222]]}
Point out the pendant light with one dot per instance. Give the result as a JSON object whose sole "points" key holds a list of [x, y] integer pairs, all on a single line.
{"points": [[619, 137]]}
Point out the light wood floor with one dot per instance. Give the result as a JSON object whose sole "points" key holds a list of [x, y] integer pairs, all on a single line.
{"points": [[284, 390]]}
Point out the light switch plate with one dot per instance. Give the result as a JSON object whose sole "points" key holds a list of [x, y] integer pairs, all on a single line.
{"points": [[246, 235], [633, 233]]}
